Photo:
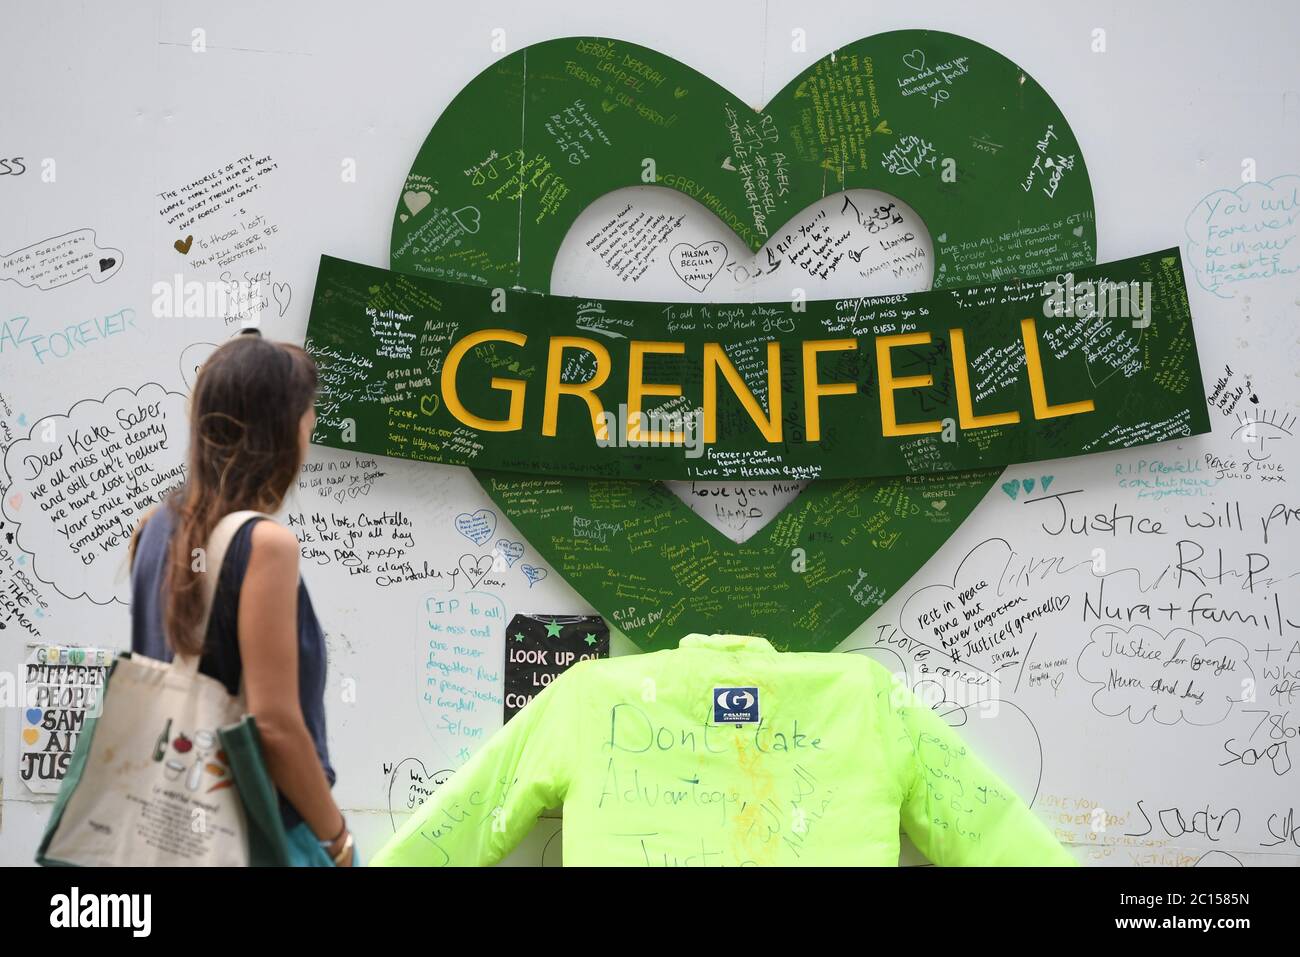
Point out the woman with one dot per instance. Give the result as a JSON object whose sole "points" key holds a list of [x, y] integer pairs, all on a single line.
{"points": [[251, 419]]}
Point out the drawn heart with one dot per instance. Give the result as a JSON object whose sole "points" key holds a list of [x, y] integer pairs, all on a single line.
{"points": [[1012, 489], [1028, 484], [183, 245], [1047, 480], [663, 571], [410, 785], [282, 292], [698, 265], [1078, 230], [511, 551], [106, 264], [477, 526], [34, 715], [468, 218], [938, 505], [416, 201], [475, 569], [16, 501], [533, 574], [31, 735]]}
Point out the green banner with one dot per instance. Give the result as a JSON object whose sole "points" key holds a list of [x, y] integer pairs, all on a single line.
{"points": [[930, 382]]}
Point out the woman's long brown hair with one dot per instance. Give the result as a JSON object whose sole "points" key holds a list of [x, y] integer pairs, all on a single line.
{"points": [[245, 412]]}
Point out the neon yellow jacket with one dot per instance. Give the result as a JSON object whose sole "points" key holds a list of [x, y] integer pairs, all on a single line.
{"points": [[840, 757]]}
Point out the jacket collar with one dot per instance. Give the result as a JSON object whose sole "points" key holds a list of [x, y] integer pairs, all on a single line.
{"points": [[726, 642]]}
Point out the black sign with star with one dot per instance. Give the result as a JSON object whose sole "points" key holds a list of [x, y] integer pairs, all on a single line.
{"points": [[539, 648]]}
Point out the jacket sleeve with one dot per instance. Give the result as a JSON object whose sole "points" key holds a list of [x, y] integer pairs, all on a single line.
{"points": [[957, 811], [492, 801]]}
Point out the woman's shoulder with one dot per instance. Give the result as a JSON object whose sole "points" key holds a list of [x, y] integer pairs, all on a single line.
{"points": [[273, 543], [152, 531]]}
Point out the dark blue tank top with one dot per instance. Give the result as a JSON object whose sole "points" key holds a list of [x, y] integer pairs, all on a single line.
{"points": [[221, 658]]}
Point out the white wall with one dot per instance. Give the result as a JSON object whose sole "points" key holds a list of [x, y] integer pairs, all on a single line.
{"points": [[1182, 96]]}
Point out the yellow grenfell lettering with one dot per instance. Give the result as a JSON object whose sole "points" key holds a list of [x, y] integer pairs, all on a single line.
{"points": [[584, 390], [889, 384], [1037, 387], [715, 359], [813, 389], [966, 416], [515, 387], [637, 389]]}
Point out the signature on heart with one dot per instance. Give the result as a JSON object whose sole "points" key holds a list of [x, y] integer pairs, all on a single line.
{"points": [[697, 266], [477, 526], [411, 784], [475, 569], [510, 551]]}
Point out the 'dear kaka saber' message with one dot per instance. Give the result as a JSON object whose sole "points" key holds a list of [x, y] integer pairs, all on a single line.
{"points": [[1100, 358]]}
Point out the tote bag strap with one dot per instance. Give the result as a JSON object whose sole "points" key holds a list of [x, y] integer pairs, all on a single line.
{"points": [[218, 542]]}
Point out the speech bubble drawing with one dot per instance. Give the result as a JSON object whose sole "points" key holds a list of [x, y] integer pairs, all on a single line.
{"points": [[1245, 235], [973, 618], [459, 656], [192, 358], [61, 259], [80, 481], [1175, 677]]}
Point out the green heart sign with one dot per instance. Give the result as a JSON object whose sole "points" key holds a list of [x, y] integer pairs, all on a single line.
{"points": [[958, 132]]}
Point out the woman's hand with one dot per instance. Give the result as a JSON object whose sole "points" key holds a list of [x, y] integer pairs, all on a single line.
{"points": [[334, 849]]}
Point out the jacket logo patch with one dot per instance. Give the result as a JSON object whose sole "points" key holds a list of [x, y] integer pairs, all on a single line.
{"points": [[735, 705]]}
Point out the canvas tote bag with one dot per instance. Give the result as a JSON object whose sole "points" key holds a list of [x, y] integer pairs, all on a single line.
{"points": [[170, 773]]}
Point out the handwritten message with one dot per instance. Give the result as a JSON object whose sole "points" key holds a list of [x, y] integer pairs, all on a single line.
{"points": [[80, 482]]}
